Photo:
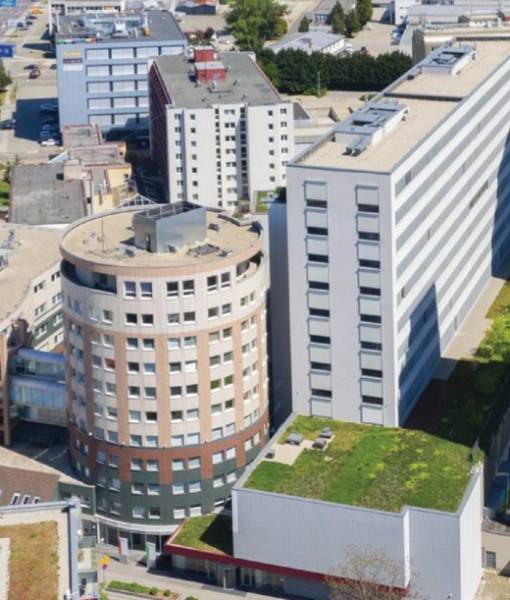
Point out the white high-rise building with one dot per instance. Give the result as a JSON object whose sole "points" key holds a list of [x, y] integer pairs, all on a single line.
{"points": [[396, 221], [220, 132]]}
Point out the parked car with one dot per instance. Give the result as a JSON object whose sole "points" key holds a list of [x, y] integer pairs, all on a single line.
{"points": [[9, 124], [50, 142], [34, 74], [53, 66], [30, 67]]}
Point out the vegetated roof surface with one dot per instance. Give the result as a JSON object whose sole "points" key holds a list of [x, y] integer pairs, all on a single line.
{"points": [[210, 533], [370, 466], [33, 561]]}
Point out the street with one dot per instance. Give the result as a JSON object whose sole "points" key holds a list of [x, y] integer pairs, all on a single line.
{"points": [[26, 95]]}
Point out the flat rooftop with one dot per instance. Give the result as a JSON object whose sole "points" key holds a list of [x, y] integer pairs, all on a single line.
{"points": [[109, 239], [137, 27], [245, 82], [311, 41], [81, 135], [41, 196], [365, 465], [30, 252], [429, 96]]}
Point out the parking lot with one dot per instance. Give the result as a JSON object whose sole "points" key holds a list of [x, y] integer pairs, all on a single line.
{"points": [[23, 103]]}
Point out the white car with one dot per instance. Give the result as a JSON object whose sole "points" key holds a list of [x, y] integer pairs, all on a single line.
{"points": [[49, 142]]}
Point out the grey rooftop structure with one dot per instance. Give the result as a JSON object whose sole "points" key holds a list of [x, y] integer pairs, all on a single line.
{"points": [[119, 27], [41, 196], [81, 135], [244, 84], [311, 41]]}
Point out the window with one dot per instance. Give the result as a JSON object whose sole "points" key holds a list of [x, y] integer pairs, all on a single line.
{"points": [[320, 339], [131, 319], [176, 416], [190, 366], [149, 392], [137, 488], [192, 389], [133, 391], [226, 309], [174, 343], [229, 404], [135, 440], [217, 433], [318, 285], [319, 312], [133, 367], [213, 312], [152, 441], [38, 287], [319, 366], [316, 203], [138, 512], [218, 482], [154, 511], [14, 499], [490, 559], [212, 283], [175, 367], [136, 464], [179, 513], [217, 458], [178, 488], [172, 289], [225, 280], [149, 368], [215, 361], [227, 333], [321, 393], [372, 264], [108, 316], [152, 465], [147, 319], [194, 463], [215, 384], [214, 336], [193, 438], [194, 487], [176, 390], [189, 317], [188, 287], [177, 464], [177, 440], [228, 380], [148, 343], [146, 289], [319, 258], [173, 318], [129, 289], [190, 341], [151, 417], [109, 364], [131, 343]]}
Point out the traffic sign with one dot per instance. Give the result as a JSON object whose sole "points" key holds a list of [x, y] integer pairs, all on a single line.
{"points": [[6, 50]]}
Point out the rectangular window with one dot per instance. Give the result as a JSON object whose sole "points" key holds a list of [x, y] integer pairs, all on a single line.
{"points": [[129, 289], [146, 289], [172, 289], [147, 319], [174, 343], [131, 319], [188, 287]]}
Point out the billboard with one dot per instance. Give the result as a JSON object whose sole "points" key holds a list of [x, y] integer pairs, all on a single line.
{"points": [[6, 50], [7, 3]]}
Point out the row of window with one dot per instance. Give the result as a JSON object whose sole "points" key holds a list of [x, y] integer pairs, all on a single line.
{"points": [[106, 87], [55, 276]]}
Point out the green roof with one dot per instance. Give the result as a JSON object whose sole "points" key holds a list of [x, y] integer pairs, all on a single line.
{"points": [[210, 533], [370, 466]]}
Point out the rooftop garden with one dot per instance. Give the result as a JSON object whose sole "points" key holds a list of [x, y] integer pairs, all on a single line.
{"points": [[371, 466], [33, 561], [210, 533], [468, 407]]}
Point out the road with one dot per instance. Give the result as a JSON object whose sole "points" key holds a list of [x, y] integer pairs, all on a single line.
{"points": [[31, 47]]}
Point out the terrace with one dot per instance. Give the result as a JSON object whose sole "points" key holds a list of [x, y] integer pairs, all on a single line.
{"points": [[367, 466]]}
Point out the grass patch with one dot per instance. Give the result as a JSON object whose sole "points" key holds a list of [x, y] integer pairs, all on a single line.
{"points": [[4, 193], [211, 533], [143, 590], [501, 303], [33, 563], [375, 467]]}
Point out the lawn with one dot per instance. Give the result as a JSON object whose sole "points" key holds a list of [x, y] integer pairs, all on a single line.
{"points": [[375, 467], [4, 193], [211, 533], [33, 563]]}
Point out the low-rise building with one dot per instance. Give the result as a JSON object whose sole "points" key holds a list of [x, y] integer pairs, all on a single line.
{"points": [[197, 7], [312, 41], [77, 7], [220, 133], [31, 308], [102, 62], [326, 497]]}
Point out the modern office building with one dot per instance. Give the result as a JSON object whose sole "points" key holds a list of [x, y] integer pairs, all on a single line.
{"points": [[396, 221], [102, 65], [58, 8], [220, 132], [165, 324], [31, 301]]}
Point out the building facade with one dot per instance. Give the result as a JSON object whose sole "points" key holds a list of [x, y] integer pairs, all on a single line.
{"points": [[396, 221], [222, 134], [102, 62], [166, 362]]}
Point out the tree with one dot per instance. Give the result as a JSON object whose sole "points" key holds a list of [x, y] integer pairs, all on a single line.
{"points": [[370, 575], [255, 21], [304, 25], [5, 78], [364, 11], [352, 24], [337, 18]]}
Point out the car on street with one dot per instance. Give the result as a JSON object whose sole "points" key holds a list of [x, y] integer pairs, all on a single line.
{"points": [[30, 67], [53, 66], [34, 74], [8, 124]]}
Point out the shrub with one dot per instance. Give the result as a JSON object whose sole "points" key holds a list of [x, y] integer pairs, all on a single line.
{"points": [[167, 593], [153, 591]]}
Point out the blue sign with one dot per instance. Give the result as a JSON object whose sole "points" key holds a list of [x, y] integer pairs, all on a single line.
{"points": [[8, 3], [6, 50]]}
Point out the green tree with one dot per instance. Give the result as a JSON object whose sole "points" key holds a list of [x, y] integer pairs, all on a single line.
{"points": [[255, 21], [364, 11], [337, 18], [352, 24], [5, 78], [304, 25]]}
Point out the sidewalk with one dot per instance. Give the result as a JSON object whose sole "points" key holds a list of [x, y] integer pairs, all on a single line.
{"points": [[133, 572]]}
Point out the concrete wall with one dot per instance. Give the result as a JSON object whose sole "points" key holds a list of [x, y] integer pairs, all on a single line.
{"points": [[439, 553]]}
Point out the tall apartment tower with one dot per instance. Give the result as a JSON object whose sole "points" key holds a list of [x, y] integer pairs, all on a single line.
{"points": [[165, 325], [396, 220], [219, 129]]}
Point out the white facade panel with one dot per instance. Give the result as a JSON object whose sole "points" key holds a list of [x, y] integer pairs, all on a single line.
{"points": [[319, 327], [316, 218], [371, 360], [318, 273], [320, 354]]}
